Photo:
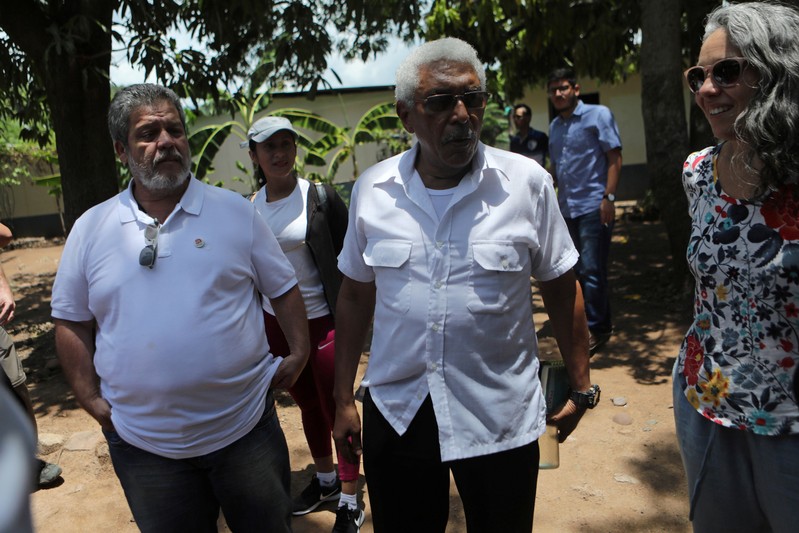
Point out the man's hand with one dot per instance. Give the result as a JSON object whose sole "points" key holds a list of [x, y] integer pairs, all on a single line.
{"points": [[7, 304], [563, 300], [289, 371], [100, 410], [347, 432], [356, 303], [607, 209], [290, 313], [566, 418], [607, 212]]}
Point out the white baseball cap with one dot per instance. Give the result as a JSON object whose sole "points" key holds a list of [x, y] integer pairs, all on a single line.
{"points": [[263, 128]]}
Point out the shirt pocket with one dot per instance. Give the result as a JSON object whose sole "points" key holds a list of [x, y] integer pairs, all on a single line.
{"points": [[497, 267], [390, 260]]}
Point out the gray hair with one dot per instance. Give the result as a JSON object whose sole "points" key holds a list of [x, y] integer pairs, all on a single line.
{"points": [[766, 35], [127, 100], [448, 50]]}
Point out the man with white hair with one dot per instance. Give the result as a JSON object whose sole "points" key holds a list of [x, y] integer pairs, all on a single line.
{"points": [[441, 244], [159, 330]]}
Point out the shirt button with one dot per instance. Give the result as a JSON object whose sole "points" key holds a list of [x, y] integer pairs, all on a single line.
{"points": [[439, 244], [437, 285], [504, 262], [435, 327], [433, 367]]}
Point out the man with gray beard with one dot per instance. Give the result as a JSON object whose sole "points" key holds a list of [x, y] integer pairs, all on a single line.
{"points": [[441, 243], [159, 330]]}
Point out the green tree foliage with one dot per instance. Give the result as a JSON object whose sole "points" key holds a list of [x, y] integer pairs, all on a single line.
{"points": [[495, 126], [55, 60], [243, 106], [22, 160], [207, 140], [376, 125], [525, 39]]}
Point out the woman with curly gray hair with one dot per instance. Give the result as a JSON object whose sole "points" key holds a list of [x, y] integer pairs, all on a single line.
{"points": [[734, 402]]}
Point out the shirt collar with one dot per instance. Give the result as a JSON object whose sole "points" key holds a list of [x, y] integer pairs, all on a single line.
{"points": [[578, 110], [484, 165], [404, 170], [191, 202], [406, 166]]}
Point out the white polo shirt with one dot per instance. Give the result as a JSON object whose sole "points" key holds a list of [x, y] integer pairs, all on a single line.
{"points": [[180, 349], [453, 314]]}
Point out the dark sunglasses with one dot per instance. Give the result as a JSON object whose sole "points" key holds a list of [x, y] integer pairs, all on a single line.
{"points": [[439, 103], [150, 251], [725, 73]]}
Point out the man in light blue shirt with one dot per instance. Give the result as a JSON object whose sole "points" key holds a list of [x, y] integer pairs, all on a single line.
{"points": [[585, 155]]}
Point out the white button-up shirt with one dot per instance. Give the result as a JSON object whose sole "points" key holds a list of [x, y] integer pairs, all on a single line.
{"points": [[453, 313]]}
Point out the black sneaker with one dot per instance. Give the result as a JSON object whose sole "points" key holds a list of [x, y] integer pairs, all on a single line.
{"points": [[49, 474], [314, 495], [348, 520]]}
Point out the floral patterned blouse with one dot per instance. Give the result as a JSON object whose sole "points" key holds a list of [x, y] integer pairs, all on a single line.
{"points": [[737, 361]]}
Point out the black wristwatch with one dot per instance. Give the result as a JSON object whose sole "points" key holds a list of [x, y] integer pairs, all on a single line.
{"points": [[610, 197], [587, 399]]}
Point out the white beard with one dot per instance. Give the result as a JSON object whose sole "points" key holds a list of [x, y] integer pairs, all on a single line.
{"points": [[155, 181]]}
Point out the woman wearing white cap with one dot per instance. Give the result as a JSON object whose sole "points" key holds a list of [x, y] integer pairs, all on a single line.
{"points": [[309, 222]]}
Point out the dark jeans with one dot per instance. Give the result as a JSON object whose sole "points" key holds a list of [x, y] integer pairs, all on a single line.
{"points": [[249, 479], [497, 490], [738, 482], [592, 239]]}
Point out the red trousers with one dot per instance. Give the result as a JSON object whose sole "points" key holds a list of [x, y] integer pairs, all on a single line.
{"points": [[313, 390]]}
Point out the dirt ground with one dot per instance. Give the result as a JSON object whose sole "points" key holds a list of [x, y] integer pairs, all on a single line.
{"points": [[620, 470]]}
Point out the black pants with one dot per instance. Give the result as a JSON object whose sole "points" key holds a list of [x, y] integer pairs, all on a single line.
{"points": [[409, 484]]}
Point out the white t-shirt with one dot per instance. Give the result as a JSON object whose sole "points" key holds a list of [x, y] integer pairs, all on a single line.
{"points": [[288, 219], [180, 348], [441, 199], [453, 313]]}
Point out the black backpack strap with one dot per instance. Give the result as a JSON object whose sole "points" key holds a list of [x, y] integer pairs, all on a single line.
{"points": [[321, 193]]}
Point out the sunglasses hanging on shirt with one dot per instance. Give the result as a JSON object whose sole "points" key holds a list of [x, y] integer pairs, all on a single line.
{"points": [[150, 251]]}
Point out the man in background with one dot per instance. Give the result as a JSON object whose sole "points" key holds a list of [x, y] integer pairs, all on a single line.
{"points": [[585, 159], [528, 141]]}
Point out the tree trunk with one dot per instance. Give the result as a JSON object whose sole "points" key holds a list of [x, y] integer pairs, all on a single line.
{"points": [[665, 125], [75, 69], [696, 12]]}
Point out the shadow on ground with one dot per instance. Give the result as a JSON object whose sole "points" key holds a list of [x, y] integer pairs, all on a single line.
{"points": [[647, 307], [650, 314]]}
